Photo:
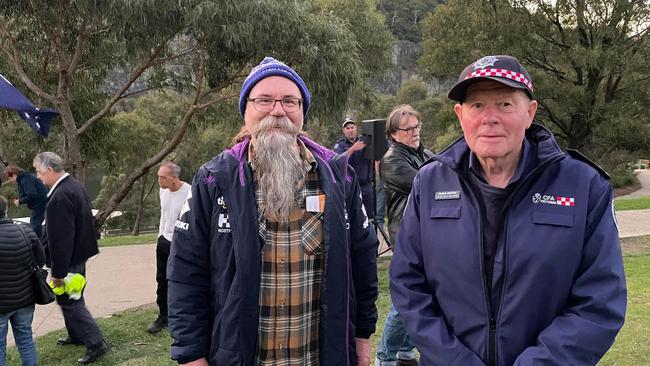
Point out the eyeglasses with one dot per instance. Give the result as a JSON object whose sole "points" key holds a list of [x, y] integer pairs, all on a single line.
{"points": [[289, 104], [411, 129]]}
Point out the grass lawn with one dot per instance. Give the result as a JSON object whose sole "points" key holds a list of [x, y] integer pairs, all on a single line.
{"points": [[632, 346], [132, 345], [126, 333], [624, 204], [113, 241]]}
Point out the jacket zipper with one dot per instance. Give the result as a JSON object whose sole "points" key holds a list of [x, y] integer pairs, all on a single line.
{"points": [[487, 293], [486, 285]]}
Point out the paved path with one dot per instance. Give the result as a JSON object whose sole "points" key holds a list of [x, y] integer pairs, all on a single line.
{"points": [[123, 277], [644, 179], [635, 222], [119, 278]]}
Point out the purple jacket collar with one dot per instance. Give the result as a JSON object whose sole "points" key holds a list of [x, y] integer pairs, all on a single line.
{"points": [[240, 150]]}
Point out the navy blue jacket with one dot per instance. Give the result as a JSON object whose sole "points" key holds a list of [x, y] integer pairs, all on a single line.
{"points": [[31, 191], [214, 265], [362, 166], [558, 268]]}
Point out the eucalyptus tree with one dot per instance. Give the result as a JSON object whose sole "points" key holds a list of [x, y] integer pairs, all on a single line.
{"points": [[64, 51]]}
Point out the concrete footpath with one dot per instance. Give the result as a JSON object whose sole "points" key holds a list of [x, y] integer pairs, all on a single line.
{"points": [[119, 278], [123, 277], [635, 222]]}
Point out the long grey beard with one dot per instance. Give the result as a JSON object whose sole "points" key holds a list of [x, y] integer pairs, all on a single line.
{"points": [[279, 167]]}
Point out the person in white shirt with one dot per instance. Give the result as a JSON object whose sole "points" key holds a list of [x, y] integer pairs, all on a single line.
{"points": [[173, 194]]}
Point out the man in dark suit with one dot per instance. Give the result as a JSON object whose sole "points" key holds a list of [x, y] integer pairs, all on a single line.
{"points": [[71, 239]]}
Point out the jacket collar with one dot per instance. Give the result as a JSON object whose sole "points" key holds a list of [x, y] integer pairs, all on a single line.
{"points": [[56, 184], [240, 152], [419, 151]]}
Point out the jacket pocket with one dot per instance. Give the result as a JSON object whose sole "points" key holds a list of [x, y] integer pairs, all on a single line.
{"points": [[445, 212], [554, 219]]}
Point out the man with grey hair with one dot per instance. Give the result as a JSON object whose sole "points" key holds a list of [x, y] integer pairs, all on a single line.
{"points": [[173, 193], [70, 239], [399, 166], [273, 260]]}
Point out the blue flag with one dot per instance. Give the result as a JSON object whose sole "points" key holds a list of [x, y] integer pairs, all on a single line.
{"points": [[38, 119]]}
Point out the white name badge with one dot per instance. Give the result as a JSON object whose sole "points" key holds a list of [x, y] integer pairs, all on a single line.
{"points": [[315, 203]]}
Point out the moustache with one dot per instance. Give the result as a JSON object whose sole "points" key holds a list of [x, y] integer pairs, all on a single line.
{"points": [[276, 124]]}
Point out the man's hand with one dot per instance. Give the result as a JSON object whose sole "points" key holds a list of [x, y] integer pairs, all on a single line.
{"points": [[363, 352], [359, 145], [199, 362], [58, 282], [16, 202]]}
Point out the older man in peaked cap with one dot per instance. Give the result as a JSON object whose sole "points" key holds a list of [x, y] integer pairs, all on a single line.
{"points": [[508, 250]]}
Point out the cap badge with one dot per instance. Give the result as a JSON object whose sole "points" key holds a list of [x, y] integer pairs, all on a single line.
{"points": [[485, 62]]}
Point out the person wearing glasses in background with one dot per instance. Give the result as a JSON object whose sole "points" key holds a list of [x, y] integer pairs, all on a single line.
{"points": [[273, 260], [398, 168]]}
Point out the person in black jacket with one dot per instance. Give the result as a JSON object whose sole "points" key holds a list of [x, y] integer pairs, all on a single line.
{"points": [[71, 239], [398, 168], [31, 192], [19, 250]]}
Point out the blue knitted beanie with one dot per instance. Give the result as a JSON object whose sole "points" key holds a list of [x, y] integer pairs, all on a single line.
{"points": [[272, 67]]}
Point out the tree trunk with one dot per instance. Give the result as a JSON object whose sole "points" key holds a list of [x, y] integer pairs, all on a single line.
{"points": [[74, 163], [143, 169], [138, 216]]}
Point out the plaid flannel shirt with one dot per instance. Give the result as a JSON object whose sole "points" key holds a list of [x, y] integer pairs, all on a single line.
{"points": [[291, 275]]}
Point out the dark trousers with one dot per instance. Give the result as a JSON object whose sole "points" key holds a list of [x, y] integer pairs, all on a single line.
{"points": [[36, 220], [162, 255], [79, 323]]}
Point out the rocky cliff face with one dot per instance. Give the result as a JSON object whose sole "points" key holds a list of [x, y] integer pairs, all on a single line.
{"points": [[405, 56]]}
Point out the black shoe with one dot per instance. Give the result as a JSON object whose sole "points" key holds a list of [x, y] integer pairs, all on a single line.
{"points": [[157, 325], [92, 354], [412, 362], [64, 341]]}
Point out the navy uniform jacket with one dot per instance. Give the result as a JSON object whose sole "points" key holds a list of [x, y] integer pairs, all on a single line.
{"points": [[214, 265], [32, 191], [558, 267], [362, 166]]}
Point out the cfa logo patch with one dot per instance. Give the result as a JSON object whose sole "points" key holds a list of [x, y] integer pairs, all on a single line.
{"points": [[553, 200]]}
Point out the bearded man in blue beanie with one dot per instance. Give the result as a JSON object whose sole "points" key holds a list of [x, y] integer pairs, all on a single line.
{"points": [[273, 259]]}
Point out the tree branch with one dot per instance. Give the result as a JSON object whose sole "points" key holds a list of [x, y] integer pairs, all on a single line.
{"points": [[215, 101], [118, 95], [82, 39], [13, 54], [554, 119], [115, 200], [167, 148], [163, 60]]}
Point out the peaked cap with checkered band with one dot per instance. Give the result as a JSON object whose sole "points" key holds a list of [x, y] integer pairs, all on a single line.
{"points": [[502, 68]]}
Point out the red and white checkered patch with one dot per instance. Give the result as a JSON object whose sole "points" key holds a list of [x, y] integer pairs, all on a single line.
{"points": [[503, 73], [565, 201]]}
